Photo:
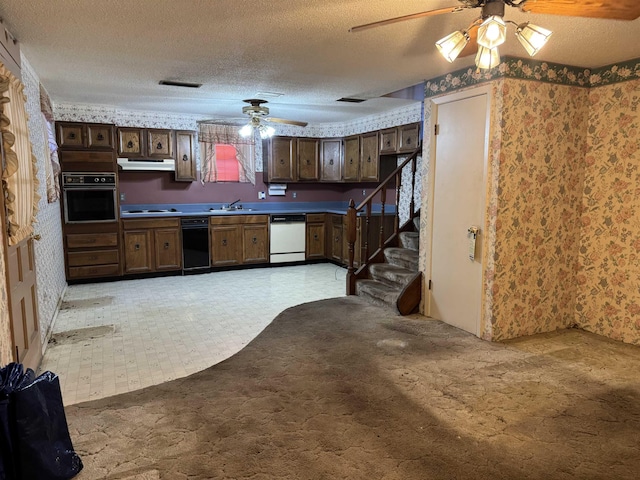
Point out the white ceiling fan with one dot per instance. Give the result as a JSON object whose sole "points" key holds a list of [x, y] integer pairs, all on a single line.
{"points": [[258, 116], [488, 31]]}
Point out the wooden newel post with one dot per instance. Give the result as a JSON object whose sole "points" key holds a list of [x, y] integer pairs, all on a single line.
{"points": [[351, 240]]}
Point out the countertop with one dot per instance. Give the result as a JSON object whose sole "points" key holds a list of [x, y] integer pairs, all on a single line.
{"points": [[248, 208]]}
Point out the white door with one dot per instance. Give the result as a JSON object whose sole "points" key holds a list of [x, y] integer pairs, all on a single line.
{"points": [[458, 205]]}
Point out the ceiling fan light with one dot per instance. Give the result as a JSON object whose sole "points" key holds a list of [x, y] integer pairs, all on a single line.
{"points": [[532, 37], [451, 45], [487, 58], [246, 130], [492, 32], [266, 131]]}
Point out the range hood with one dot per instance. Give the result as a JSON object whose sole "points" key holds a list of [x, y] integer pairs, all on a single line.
{"points": [[165, 165]]}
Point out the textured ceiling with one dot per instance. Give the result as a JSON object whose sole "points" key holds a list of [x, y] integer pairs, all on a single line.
{"points": [[114, 52]]}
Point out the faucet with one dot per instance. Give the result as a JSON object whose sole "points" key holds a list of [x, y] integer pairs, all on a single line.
{"points": [[233, 203]]}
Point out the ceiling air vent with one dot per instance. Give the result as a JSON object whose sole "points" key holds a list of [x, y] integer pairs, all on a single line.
{"points": [[171, 83], [351, 100]]}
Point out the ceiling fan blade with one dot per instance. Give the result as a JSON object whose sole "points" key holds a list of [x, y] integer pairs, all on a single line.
{"points": [[472, 47], [389, 21], [288, 122], [613, 9]]}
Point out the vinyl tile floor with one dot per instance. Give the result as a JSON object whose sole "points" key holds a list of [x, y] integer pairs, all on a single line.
{"points": [[115, 337]]}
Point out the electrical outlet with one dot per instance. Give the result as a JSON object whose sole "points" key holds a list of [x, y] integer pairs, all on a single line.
{"points": [[122, 197], [261, 196], [294, 194], [364, 192]]}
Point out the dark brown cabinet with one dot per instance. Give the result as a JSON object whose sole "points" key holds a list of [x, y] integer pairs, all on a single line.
{"points": [[308, 159], [151, 245], [315, 236], [239, 239], [388, 140], [408, 137], [369, 158], [92, 250], [145, 143], [351, 170], [331, 159], [85, 136], [282, 159], [334, 238], [185, 156]]}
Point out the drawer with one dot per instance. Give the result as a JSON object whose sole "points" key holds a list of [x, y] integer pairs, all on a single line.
{"points": [[94, 271], [238, 219], [92, 257], [315, 217], [142, 223], [84, 240]]}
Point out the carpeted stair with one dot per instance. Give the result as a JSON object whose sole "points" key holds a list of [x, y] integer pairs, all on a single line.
{"points": [[387, 280]]}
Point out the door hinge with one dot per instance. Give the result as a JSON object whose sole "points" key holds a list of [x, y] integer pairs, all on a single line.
{"points": [[429, 284], [436, 129]]}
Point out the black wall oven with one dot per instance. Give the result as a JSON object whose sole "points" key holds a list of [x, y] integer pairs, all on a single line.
{"points": [[89, 197]]}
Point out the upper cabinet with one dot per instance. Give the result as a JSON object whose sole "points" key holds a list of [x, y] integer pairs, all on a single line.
{"points": [[331, 159], [85, 136], [185, 156], [337, 160], [145, 143]]}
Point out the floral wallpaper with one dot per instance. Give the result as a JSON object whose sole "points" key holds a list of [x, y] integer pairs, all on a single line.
{"points": [[537, 168], [608, 301]]}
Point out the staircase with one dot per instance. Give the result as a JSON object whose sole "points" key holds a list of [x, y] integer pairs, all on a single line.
{"points": [[390, 275], [388, 280]]}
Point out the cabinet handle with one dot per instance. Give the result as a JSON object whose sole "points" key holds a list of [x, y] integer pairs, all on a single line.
{"points": [[159, 146], [308, 162], [129, 144], [388, 143], [185, 158], [72, 136], [166, 245], [315, 237], [281, 161], [255, 240], [224, 242], [331, 162], [93, 257], [351, 161], [369, 160], [136, 246], [337, 238], [100, 137], [409, 141]]}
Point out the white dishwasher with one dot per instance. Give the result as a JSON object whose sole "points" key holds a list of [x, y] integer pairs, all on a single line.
{"points": [[287, 238]]}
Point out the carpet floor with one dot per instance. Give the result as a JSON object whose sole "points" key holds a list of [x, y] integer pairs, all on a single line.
{"points": [[340, 389]]}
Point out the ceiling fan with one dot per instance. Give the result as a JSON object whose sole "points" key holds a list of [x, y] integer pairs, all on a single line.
{"points": [[257, 115], [487, 32]]}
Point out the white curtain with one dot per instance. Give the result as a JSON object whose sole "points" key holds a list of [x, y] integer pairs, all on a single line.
{"points": [[211, 135]]}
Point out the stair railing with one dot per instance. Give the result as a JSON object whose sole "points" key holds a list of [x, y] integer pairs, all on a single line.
{"points": [[365, 211]]}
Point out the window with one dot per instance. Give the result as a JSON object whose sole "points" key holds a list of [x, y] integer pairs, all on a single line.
{"points": [[225, 155]]}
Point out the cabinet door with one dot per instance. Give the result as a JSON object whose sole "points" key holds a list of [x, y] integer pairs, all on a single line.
{"points": [[185, 157], [130, 143], [137, 251], [100, 137], [159, 144], [282, 160], [226, 245], [315, 240], [409, 137], [388, 140], [308, 159], [369, 159], [168, 249], [351, 159], [331, 159], [255, 243], [70, 135], [336, 239]]}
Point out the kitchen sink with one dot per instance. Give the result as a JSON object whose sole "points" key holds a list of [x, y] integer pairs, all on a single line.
{"points": [[231, 209]]}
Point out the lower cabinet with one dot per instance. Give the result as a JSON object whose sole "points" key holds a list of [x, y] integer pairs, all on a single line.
{"points": [[239, 239], [315, 236], [151, 245], [92, 250], [334, 238]]}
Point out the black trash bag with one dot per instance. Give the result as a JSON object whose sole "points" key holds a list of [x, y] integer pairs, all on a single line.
{"points": [[12, 377], [41, 444]]}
